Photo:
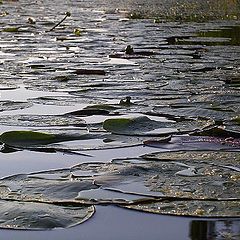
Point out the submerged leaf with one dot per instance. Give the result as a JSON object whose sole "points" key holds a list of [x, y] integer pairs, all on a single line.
{"points": [[41, 216]]}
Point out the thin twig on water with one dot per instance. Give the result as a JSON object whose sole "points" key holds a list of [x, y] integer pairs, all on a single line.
{"points": [[67, 14]]}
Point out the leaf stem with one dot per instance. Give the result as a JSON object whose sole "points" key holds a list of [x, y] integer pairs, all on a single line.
{"points": [[67, 14]]}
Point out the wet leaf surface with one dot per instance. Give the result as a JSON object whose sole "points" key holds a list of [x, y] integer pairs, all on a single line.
{"points": [[41, 121], [10, 105], [177, 176], [143, 126], [194, 208], [187, 143], [27, 139], [41, 216]]}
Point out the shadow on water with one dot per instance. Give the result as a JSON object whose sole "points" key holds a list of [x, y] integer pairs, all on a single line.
{"points": [[225, 229]]}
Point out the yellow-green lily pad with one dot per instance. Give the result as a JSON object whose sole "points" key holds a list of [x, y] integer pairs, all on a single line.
{"points": [[23, 138]]}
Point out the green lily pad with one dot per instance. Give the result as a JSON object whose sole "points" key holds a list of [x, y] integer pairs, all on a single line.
{"points": [[21, 138], [144, 126], [41, 216], [139, 126], [236, 120], [191, 208], [11, 29], [28, 139], [66, 140]]}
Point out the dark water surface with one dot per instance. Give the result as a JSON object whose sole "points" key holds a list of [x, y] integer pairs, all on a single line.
{"points": [[73, 82]]}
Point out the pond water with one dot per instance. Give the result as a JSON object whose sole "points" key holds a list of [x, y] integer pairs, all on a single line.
{"points": [[117, 123]]}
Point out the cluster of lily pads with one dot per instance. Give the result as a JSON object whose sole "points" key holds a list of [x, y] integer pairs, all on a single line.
{"points": [[192, 183], [169, 93], [181, 180]]}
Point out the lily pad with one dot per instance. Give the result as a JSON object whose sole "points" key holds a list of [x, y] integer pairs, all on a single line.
{"points": [[144, 126], [27, 139], [41, 216], [218, 132], [211, 157], [88, 112], [19, 138], [139, 126], [11, 29], [189, 179], [90, 72], [178, 143], [191, 208], [196, 110], [107, 107], [41, 120], [11, 105], [66, 140], [50, 187]]}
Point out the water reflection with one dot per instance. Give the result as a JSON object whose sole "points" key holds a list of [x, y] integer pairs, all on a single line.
{"points": [[217, 230]]}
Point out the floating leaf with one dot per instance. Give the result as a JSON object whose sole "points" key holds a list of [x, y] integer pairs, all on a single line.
{"points": [[191, 208], [28, 139], [212, 157], [143, 126], [41, 120], [236, 120], [21, 138], [218, 132], [50, 187], [41, 216], [106, 107], [178, 143], [189, 179], [11, 105], [88, 112], [135, 126], [90, 72], [77, 32], [11, 29]]}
